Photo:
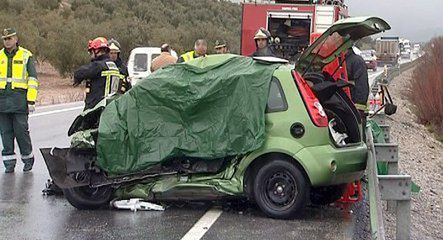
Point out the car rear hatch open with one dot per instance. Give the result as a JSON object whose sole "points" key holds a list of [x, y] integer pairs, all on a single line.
{"points": [[344, 119], [342, 35]]}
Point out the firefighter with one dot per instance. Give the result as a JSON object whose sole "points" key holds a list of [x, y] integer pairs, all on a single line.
{"points": [[262, 40], [102, 75], [358, 76], [221, 47], [200, 49], [114, 55], [18, 93], [164, 59]]}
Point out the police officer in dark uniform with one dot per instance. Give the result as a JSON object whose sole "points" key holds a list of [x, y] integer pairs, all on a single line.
{"points": [[102, 75]]}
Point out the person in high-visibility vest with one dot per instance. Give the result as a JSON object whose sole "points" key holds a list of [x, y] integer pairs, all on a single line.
{"points": [[18, 93], [200, 49], [102, 75]]}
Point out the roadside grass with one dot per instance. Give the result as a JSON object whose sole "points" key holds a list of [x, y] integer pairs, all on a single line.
{"points": [[426, 88]]}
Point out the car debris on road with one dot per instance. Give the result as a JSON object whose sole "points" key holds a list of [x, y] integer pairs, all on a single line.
{"points": [[135, 204]]}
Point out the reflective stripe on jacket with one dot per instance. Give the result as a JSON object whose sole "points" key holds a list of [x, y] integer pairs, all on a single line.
{"points": [[19, 77], [113, 78]]}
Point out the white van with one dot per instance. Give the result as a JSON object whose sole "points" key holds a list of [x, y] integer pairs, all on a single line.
{"points": [[139, 63]]}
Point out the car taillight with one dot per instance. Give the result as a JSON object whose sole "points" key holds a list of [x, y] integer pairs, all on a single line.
{"points": [[315, 109]]}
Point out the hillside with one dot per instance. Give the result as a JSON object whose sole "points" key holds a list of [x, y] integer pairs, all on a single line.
{"points": [[57, 31]]}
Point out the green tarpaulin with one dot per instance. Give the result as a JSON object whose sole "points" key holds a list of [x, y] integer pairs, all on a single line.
{"points": [[211, 107]]}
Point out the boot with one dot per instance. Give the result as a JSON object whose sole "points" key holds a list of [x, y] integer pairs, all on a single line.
{"points": [[9, 165], [28, 164]]}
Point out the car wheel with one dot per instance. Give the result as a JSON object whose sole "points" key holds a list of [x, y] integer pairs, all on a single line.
{"points": [[280, 189], [87, 198], [326, 195]]}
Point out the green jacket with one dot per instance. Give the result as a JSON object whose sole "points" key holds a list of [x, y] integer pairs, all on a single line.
{"points": [[14, 100]]}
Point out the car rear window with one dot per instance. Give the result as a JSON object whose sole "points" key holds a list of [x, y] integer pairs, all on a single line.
{"points": [[276, 99], [140, 62]]}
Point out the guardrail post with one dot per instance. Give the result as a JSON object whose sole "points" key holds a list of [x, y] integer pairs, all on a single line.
{"points": [[398, 188], [386, 132], [379, 118], [388, 152]]}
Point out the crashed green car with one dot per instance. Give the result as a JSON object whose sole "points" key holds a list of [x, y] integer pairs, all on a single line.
{"points": [[222, 126]]}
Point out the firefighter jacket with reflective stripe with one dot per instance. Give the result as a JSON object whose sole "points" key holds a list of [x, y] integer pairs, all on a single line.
{"points": [[358, 75], [102, 77], [14, 70]]}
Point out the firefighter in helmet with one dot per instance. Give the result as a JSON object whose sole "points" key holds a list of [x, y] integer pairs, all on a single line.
{"points": [[262, 40], [114, 55], [102, 75], [18, 93]]}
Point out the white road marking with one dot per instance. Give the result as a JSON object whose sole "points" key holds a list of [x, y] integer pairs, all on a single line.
{"points": [[61, 105], [203, 224], [55, 111]]}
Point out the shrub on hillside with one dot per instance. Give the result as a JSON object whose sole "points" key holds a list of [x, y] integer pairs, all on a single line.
{"points": [[58, 31], [426, 90]]}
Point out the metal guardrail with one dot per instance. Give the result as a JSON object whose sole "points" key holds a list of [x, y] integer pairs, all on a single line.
{"points": [[375, 205], [394, 188], [393, 72]]}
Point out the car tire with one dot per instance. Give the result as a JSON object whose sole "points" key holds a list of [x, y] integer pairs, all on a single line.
{"points": [[87, 198], [326, 195], [280, 189]]}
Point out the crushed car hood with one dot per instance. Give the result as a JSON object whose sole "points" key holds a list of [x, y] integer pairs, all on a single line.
{"points": [[337, 39]]}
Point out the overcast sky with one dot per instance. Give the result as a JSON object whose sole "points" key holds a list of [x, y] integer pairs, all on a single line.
{"points": [[417, 20]]}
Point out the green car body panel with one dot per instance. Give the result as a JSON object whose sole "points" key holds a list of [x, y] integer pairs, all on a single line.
{"points": [[320, 159], [314, 152]]}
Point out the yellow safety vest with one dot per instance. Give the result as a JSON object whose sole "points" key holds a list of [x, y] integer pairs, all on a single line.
{"points": [[20, 77], [188, 56]]}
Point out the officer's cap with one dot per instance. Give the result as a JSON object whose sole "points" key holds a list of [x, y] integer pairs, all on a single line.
{"points": [[8, 32]]}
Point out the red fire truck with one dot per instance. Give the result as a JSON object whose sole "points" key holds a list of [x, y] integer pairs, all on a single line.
{"points": [[290, 23]]}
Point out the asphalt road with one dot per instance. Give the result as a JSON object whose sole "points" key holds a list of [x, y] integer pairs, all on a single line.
{"points": [[27, 214]]}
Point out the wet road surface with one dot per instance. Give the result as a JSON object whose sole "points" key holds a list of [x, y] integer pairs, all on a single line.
{"points": [[27, 214]]}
